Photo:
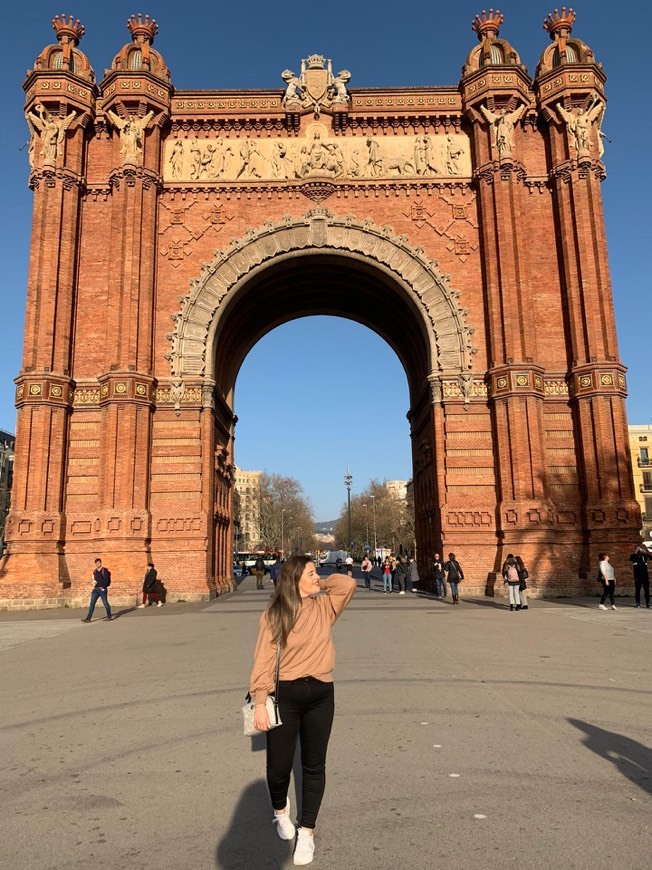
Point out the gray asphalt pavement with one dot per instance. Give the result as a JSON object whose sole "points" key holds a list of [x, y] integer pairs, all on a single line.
{"points": [[465, 737]]}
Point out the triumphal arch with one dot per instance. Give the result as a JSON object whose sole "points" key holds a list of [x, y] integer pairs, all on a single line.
{"points": [[173, 229]]}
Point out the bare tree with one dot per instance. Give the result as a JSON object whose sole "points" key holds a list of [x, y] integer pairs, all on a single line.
{"points": [[393, 517], [286, 519]]}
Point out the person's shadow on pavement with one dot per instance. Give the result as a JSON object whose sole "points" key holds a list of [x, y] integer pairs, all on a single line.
{"points": [[251, 840], [630, 758]]}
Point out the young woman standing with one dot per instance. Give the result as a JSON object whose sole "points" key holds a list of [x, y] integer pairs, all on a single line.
{"points": [[608, 580], [300, 619]]}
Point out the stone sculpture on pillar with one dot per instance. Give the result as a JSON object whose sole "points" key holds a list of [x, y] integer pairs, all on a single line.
{"points": [[579, 127], [51, 129], [131, 134], [503, 124]]}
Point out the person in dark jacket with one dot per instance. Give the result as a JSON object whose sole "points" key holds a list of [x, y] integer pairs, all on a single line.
{"points": [[259, 570], [639, 559], [402, 569], [413, 574], [454, 575], [101, 583], [440, 577], [151, 587]]}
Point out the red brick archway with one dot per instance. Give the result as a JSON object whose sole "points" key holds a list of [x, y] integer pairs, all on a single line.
{"points": [[125, 422]]}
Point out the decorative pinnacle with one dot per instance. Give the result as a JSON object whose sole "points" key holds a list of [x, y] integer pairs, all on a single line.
{"points": [[68, 31], [488, 24], [559, 23], [142, 31]]}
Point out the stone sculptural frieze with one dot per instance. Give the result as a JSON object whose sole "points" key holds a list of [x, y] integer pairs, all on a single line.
{"points": [[318, 155]]}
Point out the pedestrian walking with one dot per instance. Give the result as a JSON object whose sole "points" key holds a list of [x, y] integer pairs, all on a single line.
{"points": [[365, 567], [413, 574], [349, 565], [259, 571], [523, 575], [512, 582], [299, 620], [387, 576], [101, 583], [275, 570], [402, 569], [440, 576], [606, 576], [639, 559], [454, 575], [151, 588]]}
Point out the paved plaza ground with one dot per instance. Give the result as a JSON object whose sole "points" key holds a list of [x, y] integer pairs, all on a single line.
{"points": [[465, 737]]}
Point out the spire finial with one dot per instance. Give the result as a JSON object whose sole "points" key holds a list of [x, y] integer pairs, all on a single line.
{"points": [[68, 31], [487, 25], [142, 30], [559, 24]]}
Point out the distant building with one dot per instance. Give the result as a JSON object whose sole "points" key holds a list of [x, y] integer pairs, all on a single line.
{"points": [[640, 445], [247, 486], [7, 442], [398, 488]]}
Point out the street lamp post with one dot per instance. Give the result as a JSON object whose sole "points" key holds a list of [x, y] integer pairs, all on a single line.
{"points": [[348, 480], [298, 539], [282, 533], [375, 542], [366, 521]]}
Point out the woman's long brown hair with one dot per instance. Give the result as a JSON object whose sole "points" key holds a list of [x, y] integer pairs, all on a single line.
{"points": [[284, 608]]}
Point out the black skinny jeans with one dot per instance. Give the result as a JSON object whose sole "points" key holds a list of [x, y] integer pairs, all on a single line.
{"points": [[607, 589], [644, 584], [306, 706]]}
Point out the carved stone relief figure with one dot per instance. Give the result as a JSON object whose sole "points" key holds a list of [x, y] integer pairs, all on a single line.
{"points": [[195, 159], [293, 90], [52, 131], [453, 154], [176, 159], [503, 124], [374, 160], [579, 127], [340, 93], [131, 131], [319, 154]]}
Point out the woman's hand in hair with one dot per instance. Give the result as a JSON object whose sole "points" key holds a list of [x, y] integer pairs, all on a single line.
{"points": [[261, 718]]}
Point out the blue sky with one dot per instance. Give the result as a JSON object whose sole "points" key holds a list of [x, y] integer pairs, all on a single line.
{"points": [[345, 403]]}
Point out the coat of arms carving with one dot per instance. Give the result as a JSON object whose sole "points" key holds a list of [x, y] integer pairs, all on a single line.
{"points": [[316, 89]]}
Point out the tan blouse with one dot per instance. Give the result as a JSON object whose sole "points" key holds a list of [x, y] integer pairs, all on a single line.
{"points": [[309, 651]]}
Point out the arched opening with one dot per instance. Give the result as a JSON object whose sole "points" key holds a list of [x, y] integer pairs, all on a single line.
{"points": [[313, 397], [324, 264]]}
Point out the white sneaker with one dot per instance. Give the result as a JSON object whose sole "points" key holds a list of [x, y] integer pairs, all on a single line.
{"points": [[284, 826], [413, 590], [305, 848], [141, 605], [613, 607], [160, 604], [402, 592], [601, 607]]}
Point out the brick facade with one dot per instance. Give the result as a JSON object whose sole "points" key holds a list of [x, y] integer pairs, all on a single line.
{"points": [[476, 249]]}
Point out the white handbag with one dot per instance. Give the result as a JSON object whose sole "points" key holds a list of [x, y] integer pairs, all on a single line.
{"points": [[271, 705]]}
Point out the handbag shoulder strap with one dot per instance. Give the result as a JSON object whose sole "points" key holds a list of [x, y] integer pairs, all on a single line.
{"points": [[278, 668]]}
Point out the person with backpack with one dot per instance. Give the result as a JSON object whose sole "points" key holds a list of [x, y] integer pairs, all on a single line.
{"points": [[523, 574], [259, 570], [454, 575], [512, 582], [101, 581]]}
